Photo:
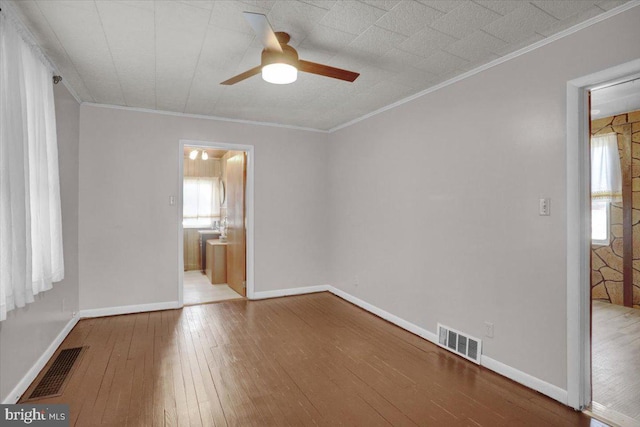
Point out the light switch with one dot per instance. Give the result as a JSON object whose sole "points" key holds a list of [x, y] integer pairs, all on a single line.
{"points": [[172, 200], [545, 207]]}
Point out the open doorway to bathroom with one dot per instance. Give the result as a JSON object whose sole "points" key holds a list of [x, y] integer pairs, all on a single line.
{"points": [[213, 224], [615, 251]]}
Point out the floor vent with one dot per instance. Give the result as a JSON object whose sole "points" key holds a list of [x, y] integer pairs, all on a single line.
{"points": [[459, 343], [53, 381]]}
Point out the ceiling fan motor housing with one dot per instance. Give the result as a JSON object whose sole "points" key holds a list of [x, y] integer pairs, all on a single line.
{"points": [[287, 56]]}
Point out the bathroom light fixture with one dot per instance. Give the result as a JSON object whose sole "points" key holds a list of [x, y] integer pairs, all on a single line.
{"points": [[205, 156], [193, 154]]}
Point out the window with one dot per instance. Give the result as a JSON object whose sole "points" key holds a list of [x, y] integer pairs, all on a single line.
{"points": [[606, 184], [200, 201], [600, 223], [31, 251]]}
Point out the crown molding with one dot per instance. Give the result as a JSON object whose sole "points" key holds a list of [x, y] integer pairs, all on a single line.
{"points": [[203, 116], [589, 22]]}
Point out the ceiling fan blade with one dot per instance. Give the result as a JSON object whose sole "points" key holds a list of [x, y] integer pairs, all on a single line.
{"points": [[242, 76], [263, 30], [327, 71]]}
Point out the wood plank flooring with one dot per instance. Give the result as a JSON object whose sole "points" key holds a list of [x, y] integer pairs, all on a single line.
{"points": [[311, 360], [616, 358]]}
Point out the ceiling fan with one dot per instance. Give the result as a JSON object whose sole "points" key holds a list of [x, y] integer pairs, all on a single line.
{"points": [[280, 63]]}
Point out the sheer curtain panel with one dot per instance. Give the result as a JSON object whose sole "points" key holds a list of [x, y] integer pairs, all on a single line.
{"points": [[30, 220], [201, 201], [606, 176]]}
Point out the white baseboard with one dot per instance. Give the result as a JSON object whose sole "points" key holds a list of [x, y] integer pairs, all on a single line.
{"points": [[525, 379], [129, 309], [408, 326], [32, 373], [288, 292], [514, 374]]}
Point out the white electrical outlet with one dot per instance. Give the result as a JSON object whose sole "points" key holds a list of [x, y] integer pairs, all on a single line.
{"points": [[488, 329], [544, 207]]}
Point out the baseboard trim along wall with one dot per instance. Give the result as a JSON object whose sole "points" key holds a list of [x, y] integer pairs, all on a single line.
{"points": [[32, 373], [525, 379], [514, 374], [289, 292], [129, 309]]}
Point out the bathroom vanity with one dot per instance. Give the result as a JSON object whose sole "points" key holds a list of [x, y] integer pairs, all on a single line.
{"points": [[206, 234], [216, 261]]}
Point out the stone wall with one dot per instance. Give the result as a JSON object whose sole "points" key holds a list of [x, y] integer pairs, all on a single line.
{"points": [[607, 261]]}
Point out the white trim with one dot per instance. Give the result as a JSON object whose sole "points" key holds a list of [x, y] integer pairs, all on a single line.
{"points": [[578, 231], [525, 379], [408, 326], [32, 373], [71, 91], [249, 207], [598, 18], [289, 292], [594, 20], [514, 374], [203, 116], [129, 309]]}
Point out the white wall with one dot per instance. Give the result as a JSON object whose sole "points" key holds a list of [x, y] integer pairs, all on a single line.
{"points": [[129, 232], [435, 203], [28, 331]]}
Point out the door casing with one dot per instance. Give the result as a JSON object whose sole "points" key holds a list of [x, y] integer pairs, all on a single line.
{"points": [[578, 219], [249, 209]]}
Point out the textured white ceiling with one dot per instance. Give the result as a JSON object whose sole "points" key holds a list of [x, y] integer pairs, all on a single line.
{"points": [[617, 99], [172, 55]]}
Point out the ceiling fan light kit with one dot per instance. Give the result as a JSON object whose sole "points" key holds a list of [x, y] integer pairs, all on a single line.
{"points": [[280, 67], [280, 63]]}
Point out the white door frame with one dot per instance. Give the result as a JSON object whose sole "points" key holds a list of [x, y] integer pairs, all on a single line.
{"points": [[579, 230], [249, 203]]}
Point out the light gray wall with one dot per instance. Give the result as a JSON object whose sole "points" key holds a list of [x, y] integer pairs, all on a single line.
{"points": [[434, 204], [28, 331], [129, 232]]}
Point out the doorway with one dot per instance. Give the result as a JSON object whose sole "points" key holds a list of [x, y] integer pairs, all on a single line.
{"points": [[215, 213], [615, 251], [578, 226]]}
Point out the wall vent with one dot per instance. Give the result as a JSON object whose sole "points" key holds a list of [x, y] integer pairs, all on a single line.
{"points": [[459, 343]]}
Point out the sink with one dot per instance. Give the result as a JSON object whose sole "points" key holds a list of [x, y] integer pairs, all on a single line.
{"points": [[209, 231]]}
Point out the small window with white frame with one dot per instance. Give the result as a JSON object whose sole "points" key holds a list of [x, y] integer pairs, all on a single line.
{"points": [[201, 202], [600, 220]]}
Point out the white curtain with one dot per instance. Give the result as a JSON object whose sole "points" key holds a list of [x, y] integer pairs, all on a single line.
{"points": [[200, 199], [30, 220], [606, 177]]}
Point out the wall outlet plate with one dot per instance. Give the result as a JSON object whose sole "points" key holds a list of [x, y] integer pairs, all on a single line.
{"points": [[488, 329]]}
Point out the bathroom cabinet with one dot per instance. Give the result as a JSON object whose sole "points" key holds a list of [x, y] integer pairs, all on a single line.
{"points": [[216, 261]]}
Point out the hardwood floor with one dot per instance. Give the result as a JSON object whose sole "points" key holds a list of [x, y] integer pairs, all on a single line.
{"points": [[616, 358], [198, 289], [302, 360]]}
